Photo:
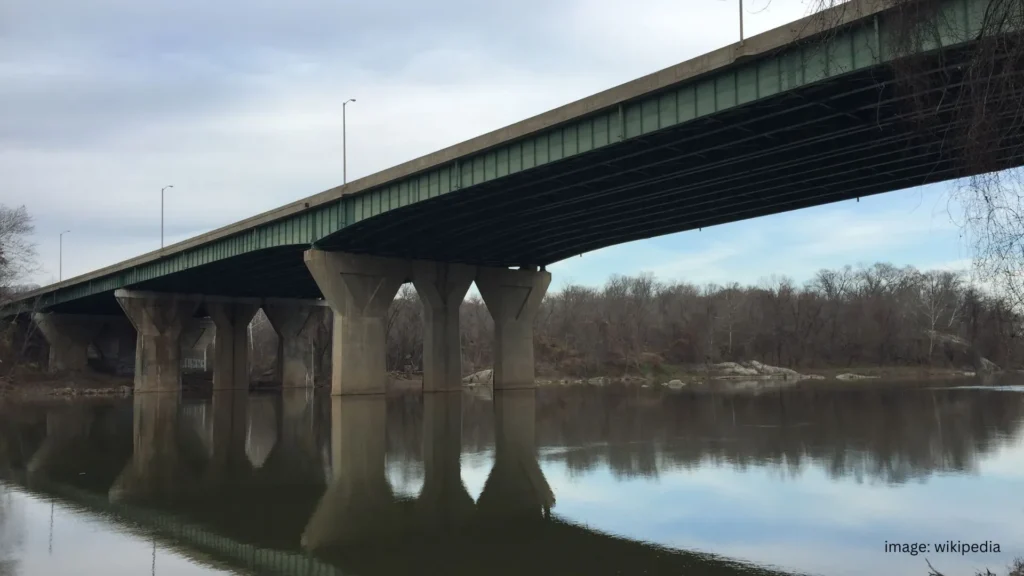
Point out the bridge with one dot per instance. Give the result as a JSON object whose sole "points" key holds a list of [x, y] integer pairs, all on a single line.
{"points": [[148, 470], [799, 116]]}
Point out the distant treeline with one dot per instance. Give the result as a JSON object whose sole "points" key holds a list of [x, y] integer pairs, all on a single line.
{"points": [[876, 315]]}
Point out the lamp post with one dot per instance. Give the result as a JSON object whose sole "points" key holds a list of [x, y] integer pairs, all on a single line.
{"points": [[162, 213], [344, 143], [60, 257], [741, 22]]}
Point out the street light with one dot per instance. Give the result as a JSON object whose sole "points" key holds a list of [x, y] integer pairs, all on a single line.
{"points": [[162, 213], [60, 261], [344, 143], [741, 22]]}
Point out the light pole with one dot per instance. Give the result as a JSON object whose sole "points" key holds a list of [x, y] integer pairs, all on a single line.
{"points": [[344, 143], [162, 213], [741, 22], [60, 257]]}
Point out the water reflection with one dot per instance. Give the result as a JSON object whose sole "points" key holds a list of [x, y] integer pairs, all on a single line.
{"points": [[300, 483]]}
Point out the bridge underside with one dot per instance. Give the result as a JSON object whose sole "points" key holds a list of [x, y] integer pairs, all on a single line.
{"points": [[854, 135]]}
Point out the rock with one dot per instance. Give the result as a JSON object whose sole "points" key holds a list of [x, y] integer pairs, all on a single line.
{"points": [[755, 370], [987, 366], [850, 376], [675, 384], [774, 370], [483, 377], [598, 381], [735, 369], [961, 351]]}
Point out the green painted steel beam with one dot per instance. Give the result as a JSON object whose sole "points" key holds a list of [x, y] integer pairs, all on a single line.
{"points": [[766, 67]]}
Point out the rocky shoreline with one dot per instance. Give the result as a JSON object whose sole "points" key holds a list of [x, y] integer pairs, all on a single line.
{"points": [[726, 375], [38, 385]]}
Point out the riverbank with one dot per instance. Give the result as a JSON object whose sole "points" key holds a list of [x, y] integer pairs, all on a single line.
{"points": [[732, 375], [27, 383]]}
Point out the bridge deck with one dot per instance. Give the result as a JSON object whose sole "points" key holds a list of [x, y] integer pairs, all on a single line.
{"points": [[788, 119]]}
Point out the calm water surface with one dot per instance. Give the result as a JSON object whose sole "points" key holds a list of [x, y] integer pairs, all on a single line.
{"points": [[558, 481]]}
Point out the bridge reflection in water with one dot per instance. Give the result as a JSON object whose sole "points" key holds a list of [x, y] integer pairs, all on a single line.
{"points": [[297, 483], [188, 476]]}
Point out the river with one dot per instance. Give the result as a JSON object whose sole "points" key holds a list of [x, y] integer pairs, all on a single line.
{"points": [[561, 480]]}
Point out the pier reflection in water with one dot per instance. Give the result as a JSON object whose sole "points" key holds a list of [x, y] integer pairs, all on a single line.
{"points": [[552, 481]]}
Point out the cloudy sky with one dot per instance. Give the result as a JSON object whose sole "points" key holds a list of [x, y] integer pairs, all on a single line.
{"points": [[238, 105]]}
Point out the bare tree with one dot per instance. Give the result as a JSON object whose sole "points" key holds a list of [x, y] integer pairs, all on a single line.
{"points": [[962, 78], [872, 315], [17, 252], [940, 301]]}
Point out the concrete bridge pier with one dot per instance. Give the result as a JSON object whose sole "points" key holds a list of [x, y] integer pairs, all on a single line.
{"points": [[298, 324], [359, 505], [69, 337], [158, 319], [359, 290], [513, 298], [231, 343], [442, 287]]}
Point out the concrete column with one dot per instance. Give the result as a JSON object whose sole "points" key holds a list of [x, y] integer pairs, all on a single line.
{"points": [[442, 288], [359, 290], [359, 505], [513, 298], [298, 325], [69, 336], [158, 319], [231, 343]]}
